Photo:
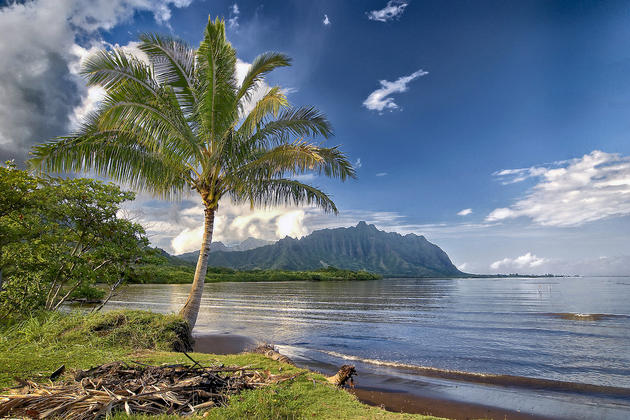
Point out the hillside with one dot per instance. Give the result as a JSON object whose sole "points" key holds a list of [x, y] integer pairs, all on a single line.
{"points": [[362, 247], [246, 245]]}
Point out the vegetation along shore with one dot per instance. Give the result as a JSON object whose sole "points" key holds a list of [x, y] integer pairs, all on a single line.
{"points": [[36, 347]]}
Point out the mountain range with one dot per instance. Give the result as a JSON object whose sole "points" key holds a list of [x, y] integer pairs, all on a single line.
{"points": [[246, 245], [362, 247]]}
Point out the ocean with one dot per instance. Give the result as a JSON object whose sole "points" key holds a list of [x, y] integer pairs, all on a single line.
{"points": [[554, 347]]}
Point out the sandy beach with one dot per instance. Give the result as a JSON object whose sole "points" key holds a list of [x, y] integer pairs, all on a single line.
{"points": [[392, 401]]}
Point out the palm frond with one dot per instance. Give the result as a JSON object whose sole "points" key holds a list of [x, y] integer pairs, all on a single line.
{"points": [[297, 158], [216, 68], [268, 105], [111, 69], [173, 63], [277, 192], [159, 123], [262, 65], [117, 155], [290, 124]]}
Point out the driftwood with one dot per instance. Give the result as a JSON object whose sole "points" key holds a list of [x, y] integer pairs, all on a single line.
{"points": [[134, 388], [268, 351], [341, 378]]}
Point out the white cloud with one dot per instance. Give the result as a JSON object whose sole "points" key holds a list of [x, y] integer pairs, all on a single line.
{"points": [[379, 100], [289, 90], [593, 187], [234, 14], [513, 265], [393, 10], [307, 177], [235, 223], [326, 21], [357, 163], [42, 94], [512, 176], [178, 227], [381, 174], [464, 212]]}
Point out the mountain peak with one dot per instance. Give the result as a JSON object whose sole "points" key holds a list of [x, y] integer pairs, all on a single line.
{"points": [[363, 225], [362, 247]]}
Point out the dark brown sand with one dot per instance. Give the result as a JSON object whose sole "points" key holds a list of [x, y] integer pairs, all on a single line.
{"points": [[223, 343], [416, 404]]}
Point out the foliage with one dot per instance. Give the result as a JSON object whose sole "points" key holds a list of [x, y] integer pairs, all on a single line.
{"points": [[170, 274], [36, 347], [59, 237], [182, 122]]}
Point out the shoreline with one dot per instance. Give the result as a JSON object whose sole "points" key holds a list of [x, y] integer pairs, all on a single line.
{"points": [[401, 402]]}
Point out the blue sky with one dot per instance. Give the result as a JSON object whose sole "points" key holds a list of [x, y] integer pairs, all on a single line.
{"points": [[518, 111]]}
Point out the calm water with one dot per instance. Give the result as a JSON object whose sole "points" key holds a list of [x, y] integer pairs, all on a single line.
{"points": [[513, 327]]}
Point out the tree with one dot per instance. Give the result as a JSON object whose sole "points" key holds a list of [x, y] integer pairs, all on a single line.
{"points": [[181, 122], [59, 236]]}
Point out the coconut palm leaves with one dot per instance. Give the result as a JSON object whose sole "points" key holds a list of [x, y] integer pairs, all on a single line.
{"points": [[180, 121]]}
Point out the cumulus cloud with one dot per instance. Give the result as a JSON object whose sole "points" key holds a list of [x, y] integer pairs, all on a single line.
{"points": [[593, 187], [234, 14], [326, 21], [179, 228], [380, 99], [464, 212], [42, 95], [392, 10], [357, 163], [514, 265]]}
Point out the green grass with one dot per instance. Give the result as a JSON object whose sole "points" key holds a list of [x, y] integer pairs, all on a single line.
{"points": [[36, 347]]}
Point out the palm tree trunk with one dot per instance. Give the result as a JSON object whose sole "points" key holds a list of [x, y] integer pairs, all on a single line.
{"points": [[191, 307]]}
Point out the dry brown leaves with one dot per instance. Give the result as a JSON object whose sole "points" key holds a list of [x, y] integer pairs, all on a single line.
{"points": [[134, 388]]}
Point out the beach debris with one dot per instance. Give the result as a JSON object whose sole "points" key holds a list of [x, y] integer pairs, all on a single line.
{"points": [[269, 351], [343, 376], [56, 374], [134, 388]]}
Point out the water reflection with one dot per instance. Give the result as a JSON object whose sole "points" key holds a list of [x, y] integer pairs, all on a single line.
{"points": [[501, 326]]}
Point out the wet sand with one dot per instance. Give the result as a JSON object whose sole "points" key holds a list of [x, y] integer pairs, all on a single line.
{"points": [[416, 404], [223, 343], [392, 401]]}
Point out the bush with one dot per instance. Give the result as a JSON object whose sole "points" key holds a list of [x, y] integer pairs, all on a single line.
{"points": [[58, 237]]}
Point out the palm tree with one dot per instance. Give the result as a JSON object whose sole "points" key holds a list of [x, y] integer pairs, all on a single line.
{"points": [[181, 123]]}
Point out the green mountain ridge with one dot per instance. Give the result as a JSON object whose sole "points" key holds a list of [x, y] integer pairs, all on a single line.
{"points": [[246, 245], [362, 247]]}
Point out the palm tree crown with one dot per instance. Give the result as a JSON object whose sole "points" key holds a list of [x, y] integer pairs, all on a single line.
{"points": [[181, 122]]}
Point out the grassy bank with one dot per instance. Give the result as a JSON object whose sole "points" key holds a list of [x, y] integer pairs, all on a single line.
{"points": [[179, 274], [36, 347]]}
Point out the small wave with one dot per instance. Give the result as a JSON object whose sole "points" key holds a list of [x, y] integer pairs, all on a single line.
{"points": [[491, 379], [585, 317]]}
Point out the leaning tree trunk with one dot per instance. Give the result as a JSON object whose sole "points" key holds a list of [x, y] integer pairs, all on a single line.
{"points": [[191, 307]]}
